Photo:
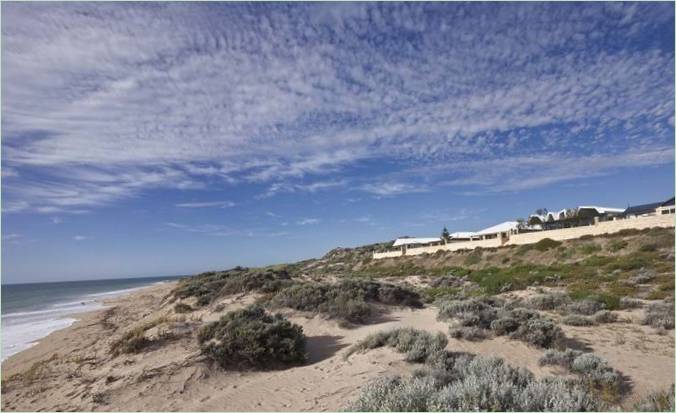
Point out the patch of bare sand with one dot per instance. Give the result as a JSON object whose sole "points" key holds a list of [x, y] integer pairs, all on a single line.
{"points": [[174, 376]]}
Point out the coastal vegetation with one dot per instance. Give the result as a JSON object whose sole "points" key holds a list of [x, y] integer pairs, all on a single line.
{"points": [[252, 338]]}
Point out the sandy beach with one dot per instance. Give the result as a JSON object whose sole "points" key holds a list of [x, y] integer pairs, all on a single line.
{"points": [[72, 369]]}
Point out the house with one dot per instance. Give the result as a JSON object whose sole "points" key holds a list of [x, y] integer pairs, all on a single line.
{"points": [[653, 208], [575, 217]]}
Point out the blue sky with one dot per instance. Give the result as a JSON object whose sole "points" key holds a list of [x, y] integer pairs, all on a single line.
{"points": [[158, 139]]}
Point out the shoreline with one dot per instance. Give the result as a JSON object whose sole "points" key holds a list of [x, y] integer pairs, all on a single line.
{"points": [[44, 345]]}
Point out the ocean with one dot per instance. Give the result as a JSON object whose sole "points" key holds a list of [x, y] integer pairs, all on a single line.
{"points": [[32, 311]]}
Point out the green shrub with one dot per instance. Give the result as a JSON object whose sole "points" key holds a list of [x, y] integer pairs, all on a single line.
{"points": [[432, 294], [546, 244], [133, 341], [210, 285], [474, 257], [182, 308], [348, 300], [616, 245], [589, 248], [252, 338], [648, 248]]}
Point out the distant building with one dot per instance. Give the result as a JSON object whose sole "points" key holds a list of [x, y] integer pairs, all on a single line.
{"points": [[575, 217], [416, 241], [653, 208]]}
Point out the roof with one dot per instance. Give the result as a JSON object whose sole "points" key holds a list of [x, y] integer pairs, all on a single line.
{"points": [[408, 241], [668, 202], [502, 227], [463, 234], [643, 208], [603, 210]]}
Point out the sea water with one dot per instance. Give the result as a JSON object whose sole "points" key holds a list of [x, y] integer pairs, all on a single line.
{"points": [[32, 311]]}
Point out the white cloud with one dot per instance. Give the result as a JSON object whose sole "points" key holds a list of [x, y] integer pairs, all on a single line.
{"points": [[392, 188], [210, 204], [206, 229], [80, 237], [105, 101], [308, 221]]}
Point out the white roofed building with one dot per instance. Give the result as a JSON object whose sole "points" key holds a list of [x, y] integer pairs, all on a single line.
{"points": [[416, 241]]}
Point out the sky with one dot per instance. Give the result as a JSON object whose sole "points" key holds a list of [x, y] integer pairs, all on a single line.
{"points": [[165, 139]]}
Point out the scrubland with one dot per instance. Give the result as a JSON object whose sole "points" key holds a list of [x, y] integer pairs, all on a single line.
{"points": [[580, 325]]}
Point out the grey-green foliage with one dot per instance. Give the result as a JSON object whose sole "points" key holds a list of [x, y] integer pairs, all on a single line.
{"points": [[474, 383], [660, 315], [467, 333], [418, 345], [559, 358], [502, 318], [604, 316], [585, 307], [549, 301], [250, 337], [592, 369], [577, 320]]}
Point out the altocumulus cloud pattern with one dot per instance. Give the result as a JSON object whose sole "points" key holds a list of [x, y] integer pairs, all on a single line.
{"points": [[104, 101]]}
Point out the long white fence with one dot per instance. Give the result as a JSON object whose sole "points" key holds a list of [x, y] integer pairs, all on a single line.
{"points": [[600, 228]]}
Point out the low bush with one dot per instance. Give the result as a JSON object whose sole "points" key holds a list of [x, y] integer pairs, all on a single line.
{"points": [[209, 285], [539, 332], [474, 384], [660, 315], [593, 370], [616, 245], [577, 321], [629, 303], [559, 358], [418, 345], [348, 300], [546, 244], [604, 316], [642, 276], [467, 333], [182, 308], [474, 257], [550, 301], [659, 401], [596, 372], [133, 341], [251, 338], [648, 248], [589, 248], [490, 313], [585, 307]]}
